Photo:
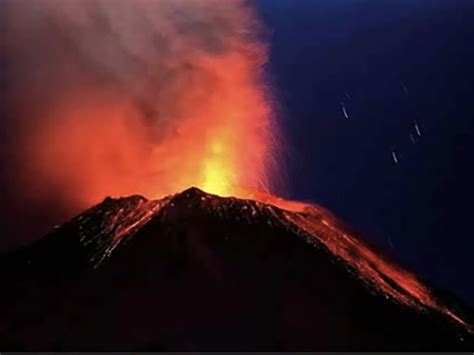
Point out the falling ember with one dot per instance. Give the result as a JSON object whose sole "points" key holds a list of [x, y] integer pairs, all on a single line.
{"points": [[166, 95]]}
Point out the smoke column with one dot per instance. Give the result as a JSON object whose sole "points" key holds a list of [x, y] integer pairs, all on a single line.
{"points": [[134, 97]]}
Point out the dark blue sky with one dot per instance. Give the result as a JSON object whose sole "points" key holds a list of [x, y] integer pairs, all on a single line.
{"points": [[391, 63]]}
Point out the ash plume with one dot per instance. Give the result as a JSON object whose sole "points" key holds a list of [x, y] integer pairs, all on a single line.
{"points": [[132, 97]]}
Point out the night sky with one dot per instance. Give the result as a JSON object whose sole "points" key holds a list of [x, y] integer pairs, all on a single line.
{"points": [[391, 64]]}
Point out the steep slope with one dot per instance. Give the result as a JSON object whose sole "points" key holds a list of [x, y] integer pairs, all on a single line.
{"points": [[195, 271]]}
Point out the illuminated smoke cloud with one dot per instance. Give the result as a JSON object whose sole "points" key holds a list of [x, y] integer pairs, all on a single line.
{"points": [[135, 97], [130, 96]]}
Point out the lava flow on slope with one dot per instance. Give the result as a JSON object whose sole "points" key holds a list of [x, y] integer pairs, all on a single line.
{"points": [[195, 271]]}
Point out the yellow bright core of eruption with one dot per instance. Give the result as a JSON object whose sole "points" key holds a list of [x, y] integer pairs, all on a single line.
{"points": [[218, 177]]}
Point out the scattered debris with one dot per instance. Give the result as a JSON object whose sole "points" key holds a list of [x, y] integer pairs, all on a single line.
{"points": [[344, 110], [395, 156]]}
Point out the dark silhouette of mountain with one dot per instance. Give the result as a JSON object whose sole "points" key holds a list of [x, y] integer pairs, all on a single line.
{"points": [[195, 271]]}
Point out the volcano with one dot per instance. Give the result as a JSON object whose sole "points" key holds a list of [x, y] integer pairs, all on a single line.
{"points": [[195, 271]]}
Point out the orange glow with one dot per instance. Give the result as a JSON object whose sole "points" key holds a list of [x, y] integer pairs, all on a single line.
{"points": [[214, 130]]}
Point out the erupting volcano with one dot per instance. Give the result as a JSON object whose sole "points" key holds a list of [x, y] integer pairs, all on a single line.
{"points": [[168, 100]]}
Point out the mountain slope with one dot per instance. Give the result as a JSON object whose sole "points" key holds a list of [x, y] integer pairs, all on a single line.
{"points": [[195, 271]]}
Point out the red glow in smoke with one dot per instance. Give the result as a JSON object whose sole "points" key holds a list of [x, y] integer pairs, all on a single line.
{"points": [[93, 141]]}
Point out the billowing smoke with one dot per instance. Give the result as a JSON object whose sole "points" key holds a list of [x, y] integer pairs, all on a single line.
{"points": [[119, 97]]}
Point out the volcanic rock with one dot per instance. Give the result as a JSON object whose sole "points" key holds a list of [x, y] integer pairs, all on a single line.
{"points": [[196, 271]]}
